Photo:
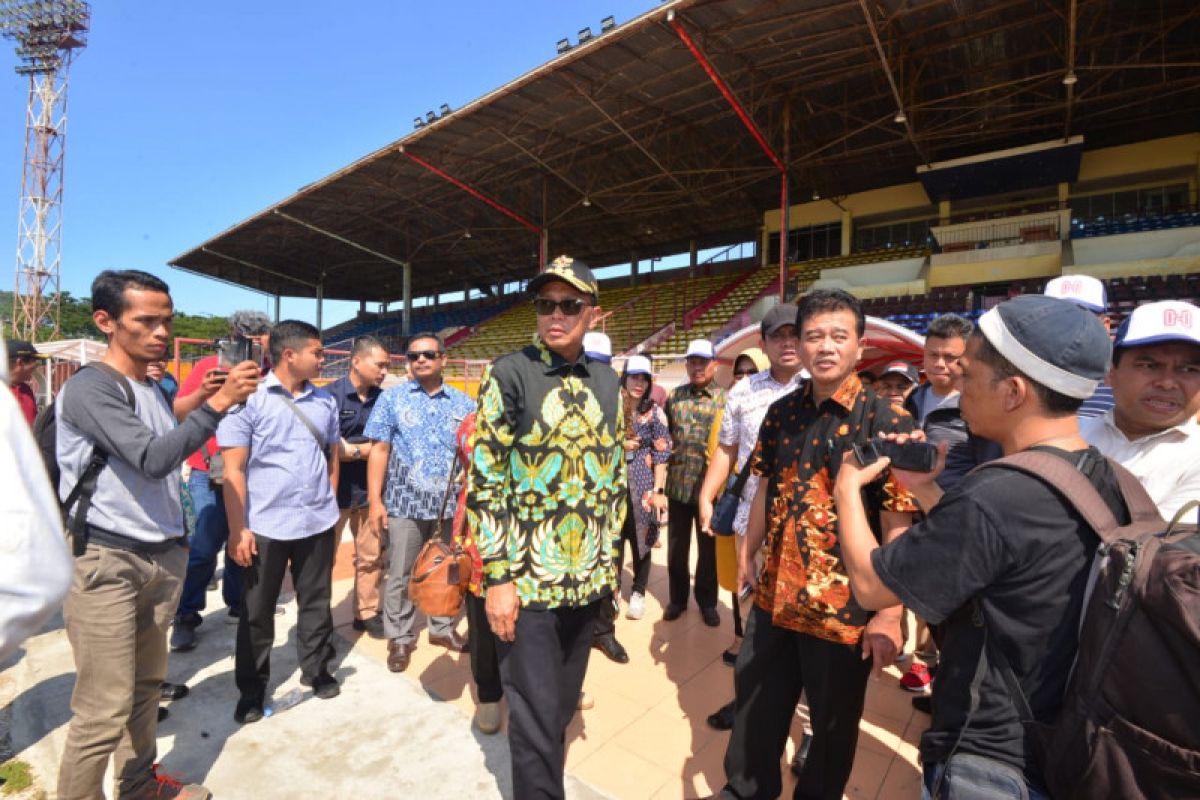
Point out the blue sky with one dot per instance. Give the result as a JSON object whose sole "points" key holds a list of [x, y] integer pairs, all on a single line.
{"points": [[186, 118]]}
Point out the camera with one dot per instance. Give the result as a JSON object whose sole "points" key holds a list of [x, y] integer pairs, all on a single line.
{"points": [[913, 457]]}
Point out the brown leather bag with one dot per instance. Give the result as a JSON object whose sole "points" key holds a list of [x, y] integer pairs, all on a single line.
{"points": [[442, 570]]}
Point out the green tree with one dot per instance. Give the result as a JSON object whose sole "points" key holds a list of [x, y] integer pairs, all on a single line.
{"points": [[75, 320]]}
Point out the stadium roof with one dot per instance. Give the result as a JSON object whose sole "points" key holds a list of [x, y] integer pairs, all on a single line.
{"points": [[625, 144]]}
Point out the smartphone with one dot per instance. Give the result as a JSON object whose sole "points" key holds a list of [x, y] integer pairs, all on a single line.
{"points": [[236, 349], [746, 592], [912, 457]]}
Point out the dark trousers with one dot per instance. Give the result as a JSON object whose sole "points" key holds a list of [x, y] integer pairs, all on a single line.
{"points": [[543, 670], [485, 664], [773, 667], [737, 614], [606, 618], [204, 545], [311, 560], [683, 519]]}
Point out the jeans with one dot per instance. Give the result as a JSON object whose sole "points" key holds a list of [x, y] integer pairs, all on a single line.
{"points": [[972, 777], [209, 538]]}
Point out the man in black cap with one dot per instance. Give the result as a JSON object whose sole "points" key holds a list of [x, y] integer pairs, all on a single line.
{"points": [[546, 499], [1001, 558], [896, 382], [23, 361]]}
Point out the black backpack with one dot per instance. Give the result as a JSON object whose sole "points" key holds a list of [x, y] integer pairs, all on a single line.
{"points": [[45, 432]]}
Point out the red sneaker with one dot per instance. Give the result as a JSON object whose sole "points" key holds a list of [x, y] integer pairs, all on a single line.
{"points": [[917, 678]]}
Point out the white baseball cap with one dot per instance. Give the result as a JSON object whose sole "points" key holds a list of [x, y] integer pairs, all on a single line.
{"points": [[1082, 290], [638, 365], [1164, 321], [597, 345], [700, 348]]}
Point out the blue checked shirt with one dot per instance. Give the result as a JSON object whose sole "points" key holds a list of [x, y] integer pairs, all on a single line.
{"points": [[288, 492], [420, 429]]}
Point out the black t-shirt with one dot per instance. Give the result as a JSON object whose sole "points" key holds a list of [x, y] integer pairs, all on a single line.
{"points": [[1007, 539]]}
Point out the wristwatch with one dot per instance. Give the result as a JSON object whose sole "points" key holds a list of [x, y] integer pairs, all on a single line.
{"points": [[356, 452], [659, 490]]}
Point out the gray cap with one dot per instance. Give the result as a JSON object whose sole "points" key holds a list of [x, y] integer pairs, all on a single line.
{"points": [[1056, 343], [777, 317]]}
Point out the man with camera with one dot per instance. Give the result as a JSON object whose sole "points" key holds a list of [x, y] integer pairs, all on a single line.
{"points": [[248, 332], [1001, 561], [806, 631], [133, 553]]}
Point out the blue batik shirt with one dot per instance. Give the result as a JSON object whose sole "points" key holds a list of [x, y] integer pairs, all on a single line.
{"points": [[420, 429]]}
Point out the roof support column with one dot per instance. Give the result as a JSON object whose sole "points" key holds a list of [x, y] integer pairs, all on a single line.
{"points": [[633, 268], [406, 319], [692, 258], [320, 303], [748, 122], [277, 308]]}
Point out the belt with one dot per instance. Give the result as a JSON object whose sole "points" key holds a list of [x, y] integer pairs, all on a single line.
{"points": [[109, 539]]}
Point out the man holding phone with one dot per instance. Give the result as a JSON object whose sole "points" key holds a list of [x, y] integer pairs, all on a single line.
{"points": [[205, 481], [356, 394]]}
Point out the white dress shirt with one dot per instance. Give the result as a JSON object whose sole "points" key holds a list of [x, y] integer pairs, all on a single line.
{"points": [[35, 567], [1167, 463]]}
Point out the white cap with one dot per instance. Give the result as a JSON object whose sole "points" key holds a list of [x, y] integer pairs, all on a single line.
{"points": [[597, 345], [638, 365], [1164, 321], [700, 348], [1082, 290]]}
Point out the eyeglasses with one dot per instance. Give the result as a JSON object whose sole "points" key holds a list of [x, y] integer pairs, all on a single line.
{"points": [[570, 306], [416, 355], [741, 373]]}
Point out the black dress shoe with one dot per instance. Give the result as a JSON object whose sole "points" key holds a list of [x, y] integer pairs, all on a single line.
{"points": [[324, 686], [249, 709], [923, 703], [797, 765], [672, 612], [723, 719], [611, 648], [172, 691], [373, 626], [163, 713], [710, 616]]}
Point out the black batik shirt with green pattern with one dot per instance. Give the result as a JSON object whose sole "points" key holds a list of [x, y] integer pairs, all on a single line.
{"points": [[547, 482]]}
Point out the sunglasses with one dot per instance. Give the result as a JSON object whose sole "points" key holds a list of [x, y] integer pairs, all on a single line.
{"points": [[741, 373], [570, 306], [416, 355]]}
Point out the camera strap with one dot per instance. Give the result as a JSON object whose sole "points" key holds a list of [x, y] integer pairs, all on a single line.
{"points": [[308, 423]]}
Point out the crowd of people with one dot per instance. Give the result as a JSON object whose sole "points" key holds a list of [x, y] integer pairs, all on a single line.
{"points": [[836, 566]]}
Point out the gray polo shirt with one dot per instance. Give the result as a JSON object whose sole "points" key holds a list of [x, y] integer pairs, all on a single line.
{"points": [[137, 494]]}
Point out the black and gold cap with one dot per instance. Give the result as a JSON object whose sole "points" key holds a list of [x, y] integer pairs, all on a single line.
{"points": [[569, 271]]}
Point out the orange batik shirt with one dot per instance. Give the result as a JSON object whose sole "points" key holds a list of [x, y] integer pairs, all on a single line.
{"points": [[803, 584]]}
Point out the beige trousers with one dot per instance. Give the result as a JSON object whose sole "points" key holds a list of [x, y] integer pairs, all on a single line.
{"points": [[368, 561], [117, 614]]}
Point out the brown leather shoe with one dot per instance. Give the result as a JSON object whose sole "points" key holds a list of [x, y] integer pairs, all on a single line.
{"points": [[399, 654], [452, 642]]}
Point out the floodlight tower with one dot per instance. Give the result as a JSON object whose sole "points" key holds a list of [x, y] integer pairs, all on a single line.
{"points": [[47, 34]]}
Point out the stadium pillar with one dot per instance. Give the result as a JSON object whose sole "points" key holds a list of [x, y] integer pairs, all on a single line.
{"points": [[633, 269], [277, 308], [692, 258], [943, 212], [847, 232], [406, 319], [764, 246], [320, 303]]}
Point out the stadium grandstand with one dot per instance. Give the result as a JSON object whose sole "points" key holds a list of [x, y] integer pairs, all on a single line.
{"points": [[927, 157]]}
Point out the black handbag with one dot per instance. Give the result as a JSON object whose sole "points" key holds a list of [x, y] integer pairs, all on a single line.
{"points": [[725, 511]]}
